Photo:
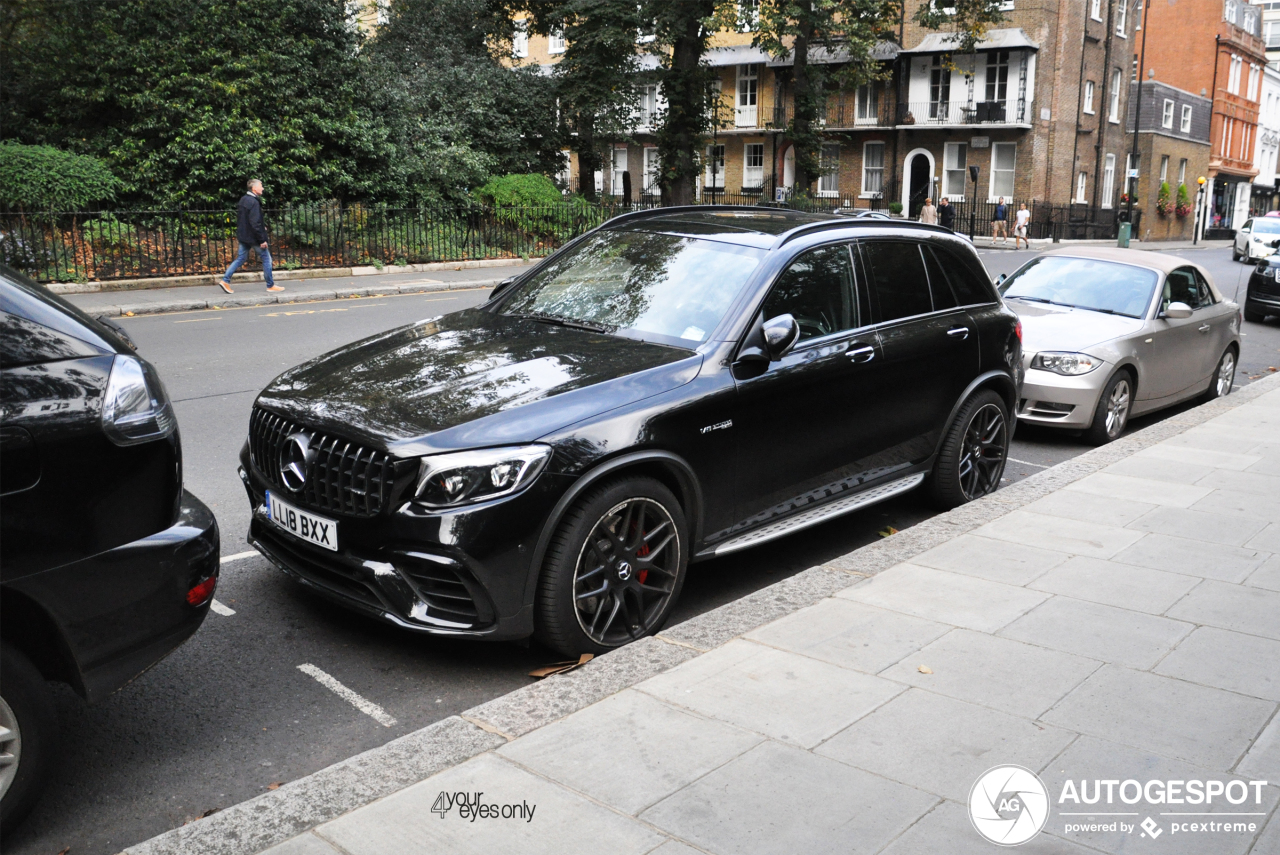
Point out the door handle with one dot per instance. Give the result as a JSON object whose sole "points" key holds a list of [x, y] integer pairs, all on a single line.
{"points": [[862, 354], [1204, 328], [958, 332]]}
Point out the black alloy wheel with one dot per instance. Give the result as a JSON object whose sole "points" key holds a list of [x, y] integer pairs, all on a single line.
{"points": [[973, 453], [614, 569]]}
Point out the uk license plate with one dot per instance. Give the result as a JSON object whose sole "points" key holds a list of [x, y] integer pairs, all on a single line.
{"points": [[316, 530]]}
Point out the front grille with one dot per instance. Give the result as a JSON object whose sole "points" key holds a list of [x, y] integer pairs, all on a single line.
{"points": [[343, 477]]}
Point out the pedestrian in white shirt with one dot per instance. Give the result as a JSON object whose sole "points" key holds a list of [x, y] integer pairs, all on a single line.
{"points": [[1020, 226]]}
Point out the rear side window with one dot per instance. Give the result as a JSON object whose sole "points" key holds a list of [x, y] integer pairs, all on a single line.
{"points": [[817, 290], [1184, 286], [896, 270], [970, 288], [938, 285]]}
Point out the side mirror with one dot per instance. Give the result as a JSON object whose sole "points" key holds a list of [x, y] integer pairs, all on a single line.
{"points": [[780, 335], [1177, 311], [1000, 279], [1244, 230], [1275, 244]]}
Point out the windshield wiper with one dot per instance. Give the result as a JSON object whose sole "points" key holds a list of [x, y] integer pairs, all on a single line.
{"points": [[1030, 299], [546, 318]]}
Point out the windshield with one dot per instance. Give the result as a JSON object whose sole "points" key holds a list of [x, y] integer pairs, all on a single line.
{"points": [[1266, 226], [662, 285], [1084, 283]]}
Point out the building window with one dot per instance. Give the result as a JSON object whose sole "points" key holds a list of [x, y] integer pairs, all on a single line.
{"points": [[1109, 181], [1113, 114], [1004, 159], [1233, 75], [1122, 17], [520, 40], [648, 106], [872, 168], [753, 166], [1166, 117], [651, 168], [997, 75], [1254, 73], [1088, 97], [1082, 180], [619, 169], [746, 105], [829, 170], [1095, 12], [1182, 171], [1185, 126], [555, 41], [714, 177], [1231, 11], [564, 175], [748, 15], [954, 161], [867, 102], [1164, 168], [939, 89]]}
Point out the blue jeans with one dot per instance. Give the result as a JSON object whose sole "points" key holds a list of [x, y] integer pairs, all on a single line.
{"points": [[264, 254]]}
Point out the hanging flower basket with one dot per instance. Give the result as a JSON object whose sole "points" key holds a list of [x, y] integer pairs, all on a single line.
{"points": [[1183, 210]]}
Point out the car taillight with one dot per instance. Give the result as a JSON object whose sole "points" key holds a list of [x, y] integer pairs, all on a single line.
{"points": [[201, 593], [1017, 329]]}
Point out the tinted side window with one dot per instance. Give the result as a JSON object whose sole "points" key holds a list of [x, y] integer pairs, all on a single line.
{"points": [[938, 285], [1183, 286], [970, 288], [896, 270], [817, 290], [1206, 293]]}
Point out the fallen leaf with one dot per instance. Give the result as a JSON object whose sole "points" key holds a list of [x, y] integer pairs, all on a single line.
{"points": [[130, 315], [888, 530], [65, 851], [925, 669], [275, 785], [561, 667], [209, 812], [1271, 368]]}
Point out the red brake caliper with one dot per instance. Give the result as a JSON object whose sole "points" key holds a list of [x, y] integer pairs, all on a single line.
{"points": [[641, 553]]}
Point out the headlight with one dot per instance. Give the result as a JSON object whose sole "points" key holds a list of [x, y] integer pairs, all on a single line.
{"points": [[1067, 364], [463, 477], [135, 408], [1257, 239]]}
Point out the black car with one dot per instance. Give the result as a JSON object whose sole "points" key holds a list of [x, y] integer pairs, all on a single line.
{"points": [[106, 563], [675, 385], [1263, 295]]}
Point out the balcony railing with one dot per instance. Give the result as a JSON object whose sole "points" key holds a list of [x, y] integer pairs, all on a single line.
{"points": [[846, 112]]}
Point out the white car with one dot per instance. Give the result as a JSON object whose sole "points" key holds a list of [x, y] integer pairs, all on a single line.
{"points": [[1255, 238]]}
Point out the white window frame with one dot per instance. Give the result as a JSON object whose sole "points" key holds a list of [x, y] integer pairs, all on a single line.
{"points": [[1185, 125], [1089, 88], [555, 41], [746, 97], [565, 173], [1233, 74], [647, 105], [1164, 168], [652, 167], [955, 162], [876, 172], [1109, 181], [993, 192], [829, 170], [1095, 10], [752, 175], [991, 90], [1182, 171], [520, 40], [1113, 111], [616, 167], [748, 16], [1253, 82], [718, 178], [867, 105], [1230, 13], [1166, 114], [1122, 18], [1082, 185]]}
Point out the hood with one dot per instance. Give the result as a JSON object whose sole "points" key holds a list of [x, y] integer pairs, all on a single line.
{"points": [[473, 379], [1047, 327]]}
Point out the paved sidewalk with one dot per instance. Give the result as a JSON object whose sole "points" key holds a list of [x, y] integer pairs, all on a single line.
{"points": [[1114, 619], [253, 293]]}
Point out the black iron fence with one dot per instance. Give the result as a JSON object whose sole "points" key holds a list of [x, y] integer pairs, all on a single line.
{"points": [[102, 245]]}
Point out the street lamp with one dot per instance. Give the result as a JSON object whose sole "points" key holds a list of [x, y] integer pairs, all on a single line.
{"points": [[1195, 221]]}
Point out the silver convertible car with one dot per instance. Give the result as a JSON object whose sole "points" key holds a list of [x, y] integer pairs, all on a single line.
{"points": [[1113, 333]]}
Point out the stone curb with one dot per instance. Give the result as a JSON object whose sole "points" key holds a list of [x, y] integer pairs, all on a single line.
{"points": [[151, 284], [236, 301], [277, 816]]}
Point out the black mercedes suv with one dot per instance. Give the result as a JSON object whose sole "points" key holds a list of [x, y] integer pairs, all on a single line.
{"points": [[106, 563], [674, 385], [1262, 295]]}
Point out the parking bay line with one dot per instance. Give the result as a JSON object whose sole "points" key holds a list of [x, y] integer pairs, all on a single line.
{"points": [[369, 708], [221, 609], [227, 611], [1028, 463]]}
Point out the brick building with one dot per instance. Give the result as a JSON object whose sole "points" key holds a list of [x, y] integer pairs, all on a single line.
{"points": [[1173, 149]]}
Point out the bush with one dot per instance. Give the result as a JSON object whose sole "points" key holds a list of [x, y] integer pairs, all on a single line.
{"points": [[42, 178], [895, 208], [531, 190]]}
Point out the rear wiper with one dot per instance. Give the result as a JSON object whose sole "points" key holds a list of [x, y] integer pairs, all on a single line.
{"points": [[562, 322]]}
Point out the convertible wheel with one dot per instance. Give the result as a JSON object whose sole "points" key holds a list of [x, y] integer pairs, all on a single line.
{"points": [[973, 453], [614, 569], [1224, 377], [1112, 413], [28, 736]]}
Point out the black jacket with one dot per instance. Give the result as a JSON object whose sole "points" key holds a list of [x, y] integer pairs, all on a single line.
{"points": [[249, 226], [946, 216]]}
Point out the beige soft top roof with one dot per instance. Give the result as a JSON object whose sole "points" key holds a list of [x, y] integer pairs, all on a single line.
{"points": [[1140, 257]]}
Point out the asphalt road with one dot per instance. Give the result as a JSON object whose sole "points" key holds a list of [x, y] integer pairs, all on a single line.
{"points": [[230, 713]]}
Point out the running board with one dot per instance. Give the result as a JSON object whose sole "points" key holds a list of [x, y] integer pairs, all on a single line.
{"points": [[820, 514]]}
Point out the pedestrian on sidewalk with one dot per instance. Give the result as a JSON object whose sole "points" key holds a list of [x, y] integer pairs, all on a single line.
{"points": [[1000, 222], [251, 231], [929, 214], [946, 214], [1022, 218]]}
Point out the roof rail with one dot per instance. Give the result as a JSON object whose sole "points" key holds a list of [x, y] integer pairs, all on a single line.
{"points": [[844, 222], [680, 209]]}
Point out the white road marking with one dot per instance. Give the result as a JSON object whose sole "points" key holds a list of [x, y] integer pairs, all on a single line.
{"points": [[239, 555], [1028, 463], [369, 708], [198, 320], [221, 609]]}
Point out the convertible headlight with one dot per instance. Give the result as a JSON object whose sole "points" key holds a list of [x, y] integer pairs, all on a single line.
{"points": [[464, 477], [1067, 364]]}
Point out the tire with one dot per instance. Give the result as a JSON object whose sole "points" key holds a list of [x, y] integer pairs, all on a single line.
{"points": [[28, 714], [1223, 376], [1235, 253], [974, 452], [637, 574], [1112, 413]]}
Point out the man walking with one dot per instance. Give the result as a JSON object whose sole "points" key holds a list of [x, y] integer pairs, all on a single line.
{"points": [[252, 234], [946, 214], [1000, 222], [1022, 218], [929, 214]]}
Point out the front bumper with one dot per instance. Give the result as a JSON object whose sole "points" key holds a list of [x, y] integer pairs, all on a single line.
{"points": [[465, 572], [1058, 401], [122, 611]]}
